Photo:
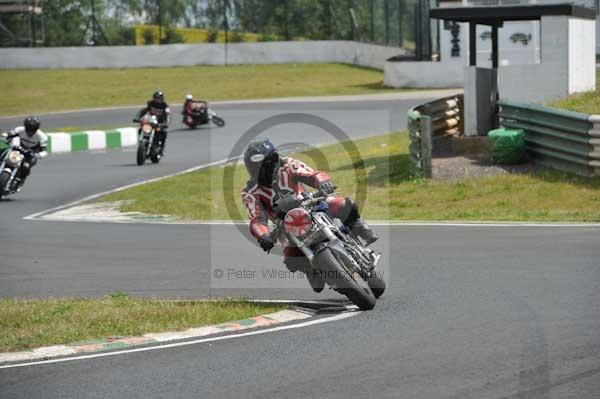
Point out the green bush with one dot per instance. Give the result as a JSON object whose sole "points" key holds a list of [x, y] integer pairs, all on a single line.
{"points": [[172, 37], [120, 36], [148, 36], [236, 36], [267, 37], [212, 36]]}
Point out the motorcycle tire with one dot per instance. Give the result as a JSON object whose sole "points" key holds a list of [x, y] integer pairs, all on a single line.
{"points": [[4, 178], [141, 154], [220, 122], [377, 285], [155, 156], [357, 290]]}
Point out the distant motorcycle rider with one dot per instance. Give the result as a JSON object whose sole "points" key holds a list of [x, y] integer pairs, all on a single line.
{"points": [[191, 106], [159, 108], [273, 178], [33, 140]]}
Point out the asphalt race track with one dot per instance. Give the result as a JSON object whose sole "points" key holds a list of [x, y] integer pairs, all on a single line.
{"points": [[470, 312]]}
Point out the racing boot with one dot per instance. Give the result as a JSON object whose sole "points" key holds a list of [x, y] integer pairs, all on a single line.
{"points": [[362, 230]]}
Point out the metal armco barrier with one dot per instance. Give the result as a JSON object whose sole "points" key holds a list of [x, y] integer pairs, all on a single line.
{"points": [[437, 118], [563, 140]]}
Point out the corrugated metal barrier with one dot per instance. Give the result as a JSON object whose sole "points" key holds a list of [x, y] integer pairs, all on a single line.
{"points": [[437, 118], [564, 140]]}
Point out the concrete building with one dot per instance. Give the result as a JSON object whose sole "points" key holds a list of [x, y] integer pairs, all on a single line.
{"points": [[545, 52]]}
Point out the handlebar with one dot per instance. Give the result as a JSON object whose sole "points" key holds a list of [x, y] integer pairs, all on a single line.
{"points": [[310, 199]]}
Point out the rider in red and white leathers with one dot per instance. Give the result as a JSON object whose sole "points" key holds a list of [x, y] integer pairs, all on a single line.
{"points": [[272, 178]]}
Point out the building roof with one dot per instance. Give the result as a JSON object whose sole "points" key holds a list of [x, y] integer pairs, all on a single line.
{"points": [[498, 14]]}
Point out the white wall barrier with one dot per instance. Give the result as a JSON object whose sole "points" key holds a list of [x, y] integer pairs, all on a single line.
{"points": [[350, 52]]}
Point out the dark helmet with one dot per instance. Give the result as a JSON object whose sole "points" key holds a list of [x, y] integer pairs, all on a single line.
{"points": [[32, 124], [158, 96], [262, 161]]}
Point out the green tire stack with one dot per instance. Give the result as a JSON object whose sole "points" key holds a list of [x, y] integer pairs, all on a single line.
{"points": [[507, 146]]}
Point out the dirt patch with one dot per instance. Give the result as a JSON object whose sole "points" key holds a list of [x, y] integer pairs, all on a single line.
{"points": [[469, 157], [463, 167]]}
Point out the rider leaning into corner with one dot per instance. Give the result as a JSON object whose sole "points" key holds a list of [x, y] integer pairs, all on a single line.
{"points": [[33, 140], [272, 178], [159, 108], [191, 105]]}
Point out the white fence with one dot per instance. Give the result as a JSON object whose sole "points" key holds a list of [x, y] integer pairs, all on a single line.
{"points": [[362, 54]]}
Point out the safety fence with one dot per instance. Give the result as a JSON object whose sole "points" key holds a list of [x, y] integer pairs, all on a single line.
{"points": [[563, 140], [443, 117]]}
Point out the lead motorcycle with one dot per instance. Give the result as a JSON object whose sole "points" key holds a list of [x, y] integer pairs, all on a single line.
{"points": [[149, 144], [199, 113], [334, 253], [11, 162]]}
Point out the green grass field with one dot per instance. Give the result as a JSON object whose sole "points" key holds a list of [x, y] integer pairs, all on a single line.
{"points": [[588, 102], [38, 91], [27, 324], [391, 193]]}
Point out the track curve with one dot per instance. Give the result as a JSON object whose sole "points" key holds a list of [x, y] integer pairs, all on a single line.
{"points": [[471, 312]]}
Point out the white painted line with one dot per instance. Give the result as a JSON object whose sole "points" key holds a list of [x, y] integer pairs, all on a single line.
{"points": [[482, 224], [340, 316], [114, 190], [96, 139], [61, 142]]}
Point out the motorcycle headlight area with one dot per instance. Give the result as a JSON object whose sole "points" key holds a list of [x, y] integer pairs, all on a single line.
{"points": [[14, 157], [297, 222], [147, 129]]}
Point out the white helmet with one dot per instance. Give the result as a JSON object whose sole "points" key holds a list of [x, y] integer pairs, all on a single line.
{"points": [[189, 97]]}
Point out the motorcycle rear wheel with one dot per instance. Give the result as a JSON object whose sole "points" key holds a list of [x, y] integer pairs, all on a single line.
{"points": [[155, 156], [357, 290], [141, 154], [220, 122]]}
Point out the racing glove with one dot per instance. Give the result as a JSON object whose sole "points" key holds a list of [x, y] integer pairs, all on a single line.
{"points": [[266, 242], [327, 187]]}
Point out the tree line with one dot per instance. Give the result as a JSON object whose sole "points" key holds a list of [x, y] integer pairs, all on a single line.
{"points": [[111, 22]]}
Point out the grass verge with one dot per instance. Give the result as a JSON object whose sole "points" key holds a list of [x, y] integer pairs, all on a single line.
{"points": [[38, 91], [27, 324], [587, 103], [391, 194]]}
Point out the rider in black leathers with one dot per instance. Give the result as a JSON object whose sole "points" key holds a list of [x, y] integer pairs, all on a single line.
{"points": [[158, 107]]}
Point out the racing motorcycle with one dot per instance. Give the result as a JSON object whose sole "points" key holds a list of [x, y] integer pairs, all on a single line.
{"points": [[201, 114], [10, 166], [149, 144], [337, 256]]}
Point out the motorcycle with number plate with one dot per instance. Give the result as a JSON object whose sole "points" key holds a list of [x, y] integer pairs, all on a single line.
{"points": [[198, 113], [334, 254], [148, 144], [10, 165]]}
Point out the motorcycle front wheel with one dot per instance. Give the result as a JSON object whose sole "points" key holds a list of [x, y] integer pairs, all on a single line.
{"points": [[356, 289], [141, 153], [4, 178]]}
